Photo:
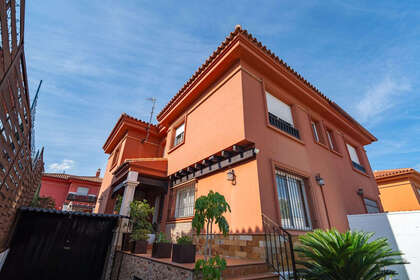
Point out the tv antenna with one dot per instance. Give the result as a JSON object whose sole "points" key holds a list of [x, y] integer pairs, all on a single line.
{"points": [[150, 119]]}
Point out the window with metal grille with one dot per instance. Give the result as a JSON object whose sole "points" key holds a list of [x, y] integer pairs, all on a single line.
{"points": [[185, 199], [280, 115], [293, 202], [179, 134], [371, 206]]}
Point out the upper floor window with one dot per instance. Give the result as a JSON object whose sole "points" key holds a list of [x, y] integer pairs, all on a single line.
{"points": [[185, 199], [179, 134], [331, 140], [317, 131], [371, 205], [292, 199], [280, 115], [82, 191], [355, 158]]}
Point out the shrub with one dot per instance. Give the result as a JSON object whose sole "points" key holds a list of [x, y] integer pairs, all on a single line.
{"points": [[184, 240], [161, 238], [210, 269], [331, 255]]}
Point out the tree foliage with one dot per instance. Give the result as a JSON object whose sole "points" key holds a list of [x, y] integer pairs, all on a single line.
{"points": [[209, 210], [46, 202], [210, 269], [331, 255], [140, 212]]}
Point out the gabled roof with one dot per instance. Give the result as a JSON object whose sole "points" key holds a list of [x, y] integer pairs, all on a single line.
{"points": [[64, 176], [239, 32], [383, 174], [124, 120]]}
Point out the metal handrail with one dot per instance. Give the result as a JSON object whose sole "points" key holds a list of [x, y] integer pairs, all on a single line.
{"points": [[279, 249]]}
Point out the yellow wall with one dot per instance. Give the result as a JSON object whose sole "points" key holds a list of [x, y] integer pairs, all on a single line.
{"points": [[399, 195]]}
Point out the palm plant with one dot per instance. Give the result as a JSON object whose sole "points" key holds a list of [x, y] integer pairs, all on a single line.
{"points": [[331, 255]]}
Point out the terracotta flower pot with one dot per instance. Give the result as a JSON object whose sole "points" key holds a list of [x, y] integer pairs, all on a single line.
{"points": [[183, 253], [161, 250], [140, 247]]}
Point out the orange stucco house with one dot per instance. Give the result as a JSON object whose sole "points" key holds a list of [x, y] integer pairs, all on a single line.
{"points": [[249, 127], [399, 189]]}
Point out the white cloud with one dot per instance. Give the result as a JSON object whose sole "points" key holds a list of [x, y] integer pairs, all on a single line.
{"points": [[380, 98], [66, 164]]}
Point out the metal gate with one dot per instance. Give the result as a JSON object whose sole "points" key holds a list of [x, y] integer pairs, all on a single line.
{"points": [[50, 245]]}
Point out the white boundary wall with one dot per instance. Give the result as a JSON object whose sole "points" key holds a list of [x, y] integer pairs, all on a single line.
{"points": [[402, 229]]}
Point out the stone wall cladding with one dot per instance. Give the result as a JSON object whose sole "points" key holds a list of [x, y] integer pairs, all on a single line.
{"points": [[145, 269], [174, 230], [247, 246]]}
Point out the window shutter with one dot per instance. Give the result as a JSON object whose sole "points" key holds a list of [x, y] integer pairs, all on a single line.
{"points": [[353, 154], [279, 109], [179, 130]]}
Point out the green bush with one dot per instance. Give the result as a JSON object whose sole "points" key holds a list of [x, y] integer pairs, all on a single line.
{"points": [[184, 240], [331, 255], [161, 238], [210, 269], [140, 212]]}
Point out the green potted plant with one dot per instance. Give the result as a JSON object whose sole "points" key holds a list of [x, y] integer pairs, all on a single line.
{"points": [[350, 255], [140, 212], [184, 250], [161, 247], [210, 269]]}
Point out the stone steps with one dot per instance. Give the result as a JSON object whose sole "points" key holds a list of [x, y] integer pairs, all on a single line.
{"points": [[245, 269], [256, 276]]}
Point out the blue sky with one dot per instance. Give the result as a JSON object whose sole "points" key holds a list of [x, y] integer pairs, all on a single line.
{"points": [[101, 58]]}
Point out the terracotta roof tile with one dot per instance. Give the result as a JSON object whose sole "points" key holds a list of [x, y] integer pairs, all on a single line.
{"points": [[393, 172], [239, 31], [69, 176], [137, 120]]}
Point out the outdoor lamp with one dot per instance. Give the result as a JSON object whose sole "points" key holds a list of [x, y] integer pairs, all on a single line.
{"points": [[319, 180], [360, 191]]}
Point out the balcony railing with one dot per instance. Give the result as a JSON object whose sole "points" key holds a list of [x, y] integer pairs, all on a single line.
{"points": [[283, 125], [359, 167], [90, 198]]}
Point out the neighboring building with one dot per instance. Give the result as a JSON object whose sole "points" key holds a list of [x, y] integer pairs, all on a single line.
{"points": [[399, 189], [249, 127], [71, 192], [20, 170], [402, 229]]}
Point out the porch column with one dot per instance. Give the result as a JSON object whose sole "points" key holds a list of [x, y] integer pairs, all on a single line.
{"points": [[129, 189]]}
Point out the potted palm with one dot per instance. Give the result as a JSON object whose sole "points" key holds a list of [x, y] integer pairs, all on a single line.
{"points": [[140, 212], [161, 247], [184, 250]]}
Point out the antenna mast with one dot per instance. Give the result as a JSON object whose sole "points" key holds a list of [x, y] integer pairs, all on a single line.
{"points": [[33, 111], [150, 119]]}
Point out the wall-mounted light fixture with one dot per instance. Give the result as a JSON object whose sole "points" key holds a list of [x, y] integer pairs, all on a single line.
{"points": [[319, 180], [231, 176], [360, 191]]}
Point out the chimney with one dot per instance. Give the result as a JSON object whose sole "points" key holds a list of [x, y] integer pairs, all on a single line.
{"points": [[98, 172]]}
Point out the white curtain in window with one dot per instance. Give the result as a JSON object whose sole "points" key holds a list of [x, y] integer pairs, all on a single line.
{"points": [[279, 109], [185, 202], [353, 154]]}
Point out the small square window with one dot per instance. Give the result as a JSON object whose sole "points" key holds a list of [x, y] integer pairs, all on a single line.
{"points": [[179, 134]]}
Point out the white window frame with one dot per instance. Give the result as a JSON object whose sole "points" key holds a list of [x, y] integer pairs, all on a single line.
{"points": [[287, 223], [278, 108], [179, 134], [354, 156], [330, 139], [185, 210], [84, 192], [315, 131]]}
